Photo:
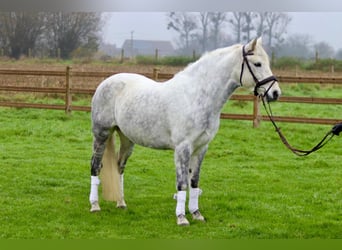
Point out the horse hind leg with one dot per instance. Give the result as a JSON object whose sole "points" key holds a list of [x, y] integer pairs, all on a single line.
{"points": [[126, 149], [99, 145]]}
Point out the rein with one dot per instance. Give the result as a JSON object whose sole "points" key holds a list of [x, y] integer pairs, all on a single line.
{"points": [[334, 131]]}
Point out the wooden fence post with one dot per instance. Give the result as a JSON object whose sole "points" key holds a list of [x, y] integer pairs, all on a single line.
{"points": [[155, 74], [194, 54], [256, 112], [68, 98], [316, 57], [156, 55]]}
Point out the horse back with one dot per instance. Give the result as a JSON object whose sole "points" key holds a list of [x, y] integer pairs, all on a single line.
{"points": [[118, 92]]}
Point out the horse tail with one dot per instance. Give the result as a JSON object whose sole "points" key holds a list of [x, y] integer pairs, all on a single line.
{"points": [[110, 176]]}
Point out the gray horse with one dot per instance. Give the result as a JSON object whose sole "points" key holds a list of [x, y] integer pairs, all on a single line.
{"points": [[181, 114]]}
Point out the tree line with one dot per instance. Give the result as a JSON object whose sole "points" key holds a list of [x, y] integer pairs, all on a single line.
{"points": [[208, 30], [48, 34], [204, 31], [66, 34]]}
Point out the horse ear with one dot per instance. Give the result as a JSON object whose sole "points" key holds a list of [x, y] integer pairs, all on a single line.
{"points": [[259, 42], [251, 45]]}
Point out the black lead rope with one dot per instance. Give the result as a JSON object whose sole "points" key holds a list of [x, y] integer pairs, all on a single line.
{"points": [[334, 131]]}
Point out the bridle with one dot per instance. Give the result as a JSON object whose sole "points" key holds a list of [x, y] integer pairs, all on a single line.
{"points": [[258, 83], [334, 131]]}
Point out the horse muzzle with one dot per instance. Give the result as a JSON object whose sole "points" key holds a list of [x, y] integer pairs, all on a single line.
{"points": [[271, 92], [273, 95]]}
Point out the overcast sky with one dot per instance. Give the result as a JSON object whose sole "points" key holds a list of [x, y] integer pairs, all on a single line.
{"points": [[321, 26]]}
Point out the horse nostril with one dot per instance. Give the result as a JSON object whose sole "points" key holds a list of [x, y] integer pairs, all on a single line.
{"points": [[275, 95]]}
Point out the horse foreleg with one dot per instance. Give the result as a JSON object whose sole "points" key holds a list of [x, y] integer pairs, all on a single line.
{"points": [[195, 191], [98, 150], [182, 160]]}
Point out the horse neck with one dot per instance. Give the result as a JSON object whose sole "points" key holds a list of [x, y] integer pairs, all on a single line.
{"points": [[213, 78]]}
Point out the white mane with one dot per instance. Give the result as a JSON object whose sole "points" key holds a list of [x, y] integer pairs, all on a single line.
{"points": [[208, 59]]}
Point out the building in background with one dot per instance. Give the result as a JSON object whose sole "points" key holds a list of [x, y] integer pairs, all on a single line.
{"points": [[147, 48]]}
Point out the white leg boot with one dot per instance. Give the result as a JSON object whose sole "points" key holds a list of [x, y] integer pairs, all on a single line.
{"points": [[94, 196], [194, 193], [180, 209]]}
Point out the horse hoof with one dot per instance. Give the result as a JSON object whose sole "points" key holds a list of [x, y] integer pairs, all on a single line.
{"points": [[121, 204], [182, 221], [197, 216], [95, 207]]}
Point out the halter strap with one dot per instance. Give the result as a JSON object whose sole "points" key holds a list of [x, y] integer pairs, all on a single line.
{"points": [[258, 83]]}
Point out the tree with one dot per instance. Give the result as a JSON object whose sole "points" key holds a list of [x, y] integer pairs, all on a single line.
{"points": [[200, 31], [260, 24], [69, 31], [276, 25], [20, 32], [338, 54], [237, 21], [324, 50], [204, 20], [217, 19], [248, 26], [297, 45], [185, 25]]}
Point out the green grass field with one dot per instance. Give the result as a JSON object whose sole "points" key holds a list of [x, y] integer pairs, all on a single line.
{"points": [[253, 187]]}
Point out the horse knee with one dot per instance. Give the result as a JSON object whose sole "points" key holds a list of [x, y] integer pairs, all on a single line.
{"points": [[194, 183], [194, 177], [182, 161], [195, 166]]}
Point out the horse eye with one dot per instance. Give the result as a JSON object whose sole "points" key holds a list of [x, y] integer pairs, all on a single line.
{"points": [[258, 64]]}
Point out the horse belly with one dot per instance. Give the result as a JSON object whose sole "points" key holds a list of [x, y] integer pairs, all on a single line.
{"points": [[145, 125], [147, 135]]}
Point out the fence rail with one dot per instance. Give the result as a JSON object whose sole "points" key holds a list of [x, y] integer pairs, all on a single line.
{"points": [[68, 91]]}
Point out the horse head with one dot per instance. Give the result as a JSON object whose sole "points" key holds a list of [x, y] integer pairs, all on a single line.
{"points": [[258, 74]]}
